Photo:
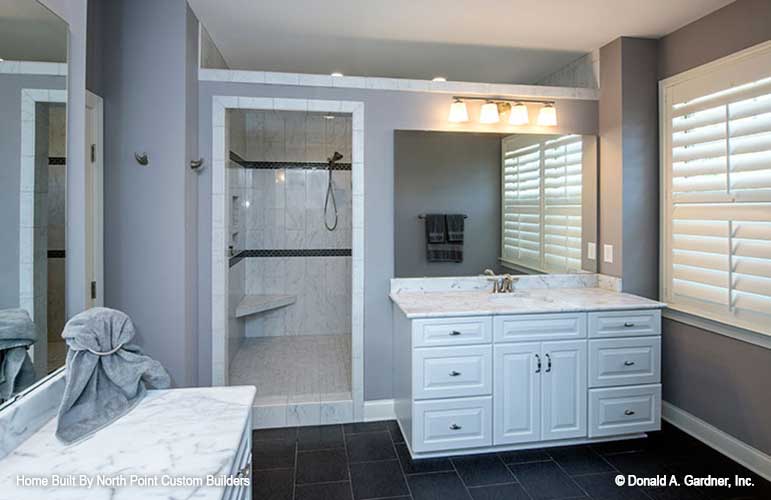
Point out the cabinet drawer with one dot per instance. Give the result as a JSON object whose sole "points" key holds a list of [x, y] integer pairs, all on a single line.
{"points": [[624, 410], [526, 327], [625, 323], [448, 372], [626, 361], [451, 331], [452, 424]]}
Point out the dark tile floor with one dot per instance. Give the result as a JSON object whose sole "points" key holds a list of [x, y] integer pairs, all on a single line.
{"points": [[371, 461]]}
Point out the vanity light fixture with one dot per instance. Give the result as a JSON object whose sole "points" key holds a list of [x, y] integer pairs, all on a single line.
{"points": [[518, 114], [337, 73], [494, 107], [489, 113], [458, 111], [547, 117]]}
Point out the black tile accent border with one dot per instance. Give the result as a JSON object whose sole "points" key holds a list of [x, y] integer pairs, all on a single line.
{"points": [[289, 252], [56, 254], [57, 160], [276, 165]]}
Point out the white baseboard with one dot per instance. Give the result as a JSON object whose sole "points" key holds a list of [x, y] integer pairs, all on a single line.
{"points": [[737, 450], [379, 409]]}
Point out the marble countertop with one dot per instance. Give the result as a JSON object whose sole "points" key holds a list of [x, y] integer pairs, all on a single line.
{"points": [[419, 304], [170, 434]]}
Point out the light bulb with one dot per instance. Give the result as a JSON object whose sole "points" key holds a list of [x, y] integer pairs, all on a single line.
{"points": [[337, 74], [547, 117], [458, 112], [489, 113], [519, 115]]}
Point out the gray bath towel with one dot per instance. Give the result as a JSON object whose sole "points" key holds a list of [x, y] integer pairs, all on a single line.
{"points": [[17, 333], [106, 376]]}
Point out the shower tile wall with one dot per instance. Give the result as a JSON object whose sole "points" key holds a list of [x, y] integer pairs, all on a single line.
{"points": [[283, 209], [57, 175]]}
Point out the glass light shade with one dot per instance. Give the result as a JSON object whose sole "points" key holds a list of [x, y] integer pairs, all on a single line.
{"points": [[519, 115], [458, 112], [489, 113], [547, 117]]}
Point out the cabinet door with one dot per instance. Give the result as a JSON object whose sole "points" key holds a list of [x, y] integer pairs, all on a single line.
{"points": [[517, 389], [563, 389]]}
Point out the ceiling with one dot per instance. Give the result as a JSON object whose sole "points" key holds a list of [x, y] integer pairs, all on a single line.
{"points": [[31, 32], [496, 41]]}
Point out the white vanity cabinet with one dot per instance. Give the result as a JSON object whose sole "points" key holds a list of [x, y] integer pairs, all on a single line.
{"points": [[481, 383]]}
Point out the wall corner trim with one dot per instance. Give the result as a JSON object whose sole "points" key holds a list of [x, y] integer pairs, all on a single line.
{"points": [[379, 409], [733, 448]]}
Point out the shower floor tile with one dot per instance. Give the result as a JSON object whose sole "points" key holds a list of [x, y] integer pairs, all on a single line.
{"points": [[294, 369]]}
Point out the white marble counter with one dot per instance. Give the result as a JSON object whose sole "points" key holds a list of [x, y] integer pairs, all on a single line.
{"points": [[419, 304], [171, 434]]}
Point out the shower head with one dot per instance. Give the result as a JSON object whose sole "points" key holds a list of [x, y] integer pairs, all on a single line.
{"points": [[335, 158]]}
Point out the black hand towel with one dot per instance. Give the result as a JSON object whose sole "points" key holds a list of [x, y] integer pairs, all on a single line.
{"points": [[455, 228], [435, 228]]}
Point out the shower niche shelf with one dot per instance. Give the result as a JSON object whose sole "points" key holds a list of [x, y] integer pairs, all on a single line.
{"points": [[254, 304]]}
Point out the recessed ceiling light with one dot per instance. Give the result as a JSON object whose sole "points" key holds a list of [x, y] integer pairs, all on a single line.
{"points": [[337, 73], [439, 79], [1, 59], [329, 117]]}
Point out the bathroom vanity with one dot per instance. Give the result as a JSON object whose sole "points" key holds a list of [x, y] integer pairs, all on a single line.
{"points": [[171, 439], [559, 360]]}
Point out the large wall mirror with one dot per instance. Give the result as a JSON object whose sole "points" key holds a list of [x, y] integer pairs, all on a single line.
{"points": [[517, 204], [33, 113]]}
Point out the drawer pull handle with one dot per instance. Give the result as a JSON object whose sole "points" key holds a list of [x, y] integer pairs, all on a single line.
{"points": [[455, 333], [454, 373], [628, 324], [628, 363], [538, 365], [548, 366], [629, 412], [455, 427]]}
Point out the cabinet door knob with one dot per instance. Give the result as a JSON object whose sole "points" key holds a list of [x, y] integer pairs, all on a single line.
{"points": [[628, 363], [454, 333], [628, 412], [455, 427], [628, 324], [454, 373]]}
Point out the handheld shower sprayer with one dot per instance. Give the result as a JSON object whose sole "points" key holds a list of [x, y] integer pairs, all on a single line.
{"points": [[331, 192]]}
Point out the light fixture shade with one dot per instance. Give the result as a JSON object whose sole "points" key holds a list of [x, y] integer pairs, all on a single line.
{"points": [[489, 113], [519, 115], [458, 112], [547, 117]]}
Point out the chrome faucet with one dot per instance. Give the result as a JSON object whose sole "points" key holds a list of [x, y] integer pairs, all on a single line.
{"points": [[504, 284]]}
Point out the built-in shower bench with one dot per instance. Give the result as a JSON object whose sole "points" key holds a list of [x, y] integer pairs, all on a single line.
{"points": [[253, 304]]}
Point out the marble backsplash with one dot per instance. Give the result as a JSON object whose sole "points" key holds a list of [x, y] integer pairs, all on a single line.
{"points": [[480, 283]]}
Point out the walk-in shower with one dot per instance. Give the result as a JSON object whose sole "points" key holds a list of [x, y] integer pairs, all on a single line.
{"points": [[289, 228]]}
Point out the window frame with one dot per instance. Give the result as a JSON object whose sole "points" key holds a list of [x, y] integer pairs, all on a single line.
{"points": [[704, 318]]}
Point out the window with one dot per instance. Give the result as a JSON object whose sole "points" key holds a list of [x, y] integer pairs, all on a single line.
{"points": [[541, 202], [716, 190]]}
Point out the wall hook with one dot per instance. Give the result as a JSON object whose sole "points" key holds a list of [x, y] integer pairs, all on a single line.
{"points": [[141, 158], [196, 164]]}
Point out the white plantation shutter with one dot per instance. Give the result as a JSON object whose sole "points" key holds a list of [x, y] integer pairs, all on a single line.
{"points": [[717, 195], [542, 204], [562, 204], [521, 204]]}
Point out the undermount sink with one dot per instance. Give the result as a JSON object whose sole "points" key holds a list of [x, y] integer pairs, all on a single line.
{"points": [[508, 295]]}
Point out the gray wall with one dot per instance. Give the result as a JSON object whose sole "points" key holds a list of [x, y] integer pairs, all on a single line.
{"points": [[736, 26], [629, 170], [719, 379], [446, 172], [385, 111], [148, 82], [10, 171]]}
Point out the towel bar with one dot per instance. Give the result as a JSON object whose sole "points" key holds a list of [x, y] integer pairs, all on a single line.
{"points": [[421, 216]]}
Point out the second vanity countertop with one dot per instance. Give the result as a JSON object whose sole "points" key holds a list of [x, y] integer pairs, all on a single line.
{"points": [[431, 304], [177, 433]]}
